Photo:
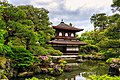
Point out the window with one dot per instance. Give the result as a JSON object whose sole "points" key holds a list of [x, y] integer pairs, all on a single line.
{"points": [[72, 49], [66, 34], [72, 35], [60, 33]]}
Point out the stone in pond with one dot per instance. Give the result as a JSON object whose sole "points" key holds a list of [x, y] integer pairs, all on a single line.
{"points": [[113, 70]]}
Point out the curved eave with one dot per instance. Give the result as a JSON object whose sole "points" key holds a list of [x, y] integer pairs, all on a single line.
{"points": [[67, 42], [67, 28]]}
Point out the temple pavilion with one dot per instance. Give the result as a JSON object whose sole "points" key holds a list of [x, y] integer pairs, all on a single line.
{"points": [[65, 39]]}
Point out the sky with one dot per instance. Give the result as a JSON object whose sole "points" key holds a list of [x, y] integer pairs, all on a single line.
{"points": [[77, 12]]}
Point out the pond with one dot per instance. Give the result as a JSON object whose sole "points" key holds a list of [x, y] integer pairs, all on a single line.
{"points": [[86, 69]]}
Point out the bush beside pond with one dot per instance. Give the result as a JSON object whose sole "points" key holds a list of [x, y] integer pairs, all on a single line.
{"points": [[104, 77], [92, 56], [113, 60], [34, 78]]}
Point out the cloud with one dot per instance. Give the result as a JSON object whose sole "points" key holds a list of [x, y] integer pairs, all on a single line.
{"points": [[86, 4], [43, 1], [19, 2], [47, 4]]}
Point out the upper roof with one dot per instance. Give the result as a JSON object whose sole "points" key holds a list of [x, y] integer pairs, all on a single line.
{"points": [[63, 26]]}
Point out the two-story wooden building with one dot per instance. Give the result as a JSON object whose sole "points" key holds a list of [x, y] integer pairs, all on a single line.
{"points": [[65, 39]]}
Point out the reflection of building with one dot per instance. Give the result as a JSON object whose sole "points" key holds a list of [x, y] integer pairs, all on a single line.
{"points": [[65, 40]]}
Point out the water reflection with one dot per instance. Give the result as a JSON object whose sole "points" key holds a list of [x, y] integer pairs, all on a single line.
{"points": [[80, 77]]}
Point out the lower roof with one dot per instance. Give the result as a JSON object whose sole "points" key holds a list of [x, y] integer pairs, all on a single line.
{"points": [[66, 42]]}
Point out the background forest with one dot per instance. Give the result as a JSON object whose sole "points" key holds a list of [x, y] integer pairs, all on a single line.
{"points": [[105, 39]]}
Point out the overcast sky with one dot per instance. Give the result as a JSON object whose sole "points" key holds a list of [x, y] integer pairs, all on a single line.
{"points": [[77, 12]]}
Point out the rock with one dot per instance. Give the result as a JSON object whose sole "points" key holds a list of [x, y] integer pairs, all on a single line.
{"points": [[68, 68], [2, 62], [114, 70], [8, 64], [57, 72], [25, 74], [80, 60], [43, 71], [36, 69]]}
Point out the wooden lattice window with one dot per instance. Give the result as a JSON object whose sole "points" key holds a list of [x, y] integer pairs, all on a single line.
{"points": [[66, 34], [60, 33], [72, 34]]}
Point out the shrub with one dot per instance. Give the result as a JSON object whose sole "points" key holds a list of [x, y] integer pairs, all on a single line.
{"points": [[5, 50], [113, 60], [34, 78], [111, 53], [89, 49], [38, 50], [50, 70], [109, 60], [54, 52], [3, 76], [55, 71], [22, 58], [104, 77]]}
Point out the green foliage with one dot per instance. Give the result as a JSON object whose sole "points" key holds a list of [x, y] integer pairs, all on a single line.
{"points": [[108, 39], [2, 76], [113, 31], [99, 20], [89, 49], [50, 70], [92, 37], [116, 5], [2, 33], [62, 63], [27, 23], [5, 50], [55, 72], [108, 43], [24, 32], [104, 77], [34, 78], [53, 52], [40, 19], [109, 60], [38, 50], [111, 52], [22, 58], [113, 60]]}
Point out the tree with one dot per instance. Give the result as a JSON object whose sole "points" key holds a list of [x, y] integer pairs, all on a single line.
{"points": [[92, 37], [109, 38], [113, 32], [112, 19], [99, 21], [40, 19], [15, 22], [116, 5], [10, 17]]}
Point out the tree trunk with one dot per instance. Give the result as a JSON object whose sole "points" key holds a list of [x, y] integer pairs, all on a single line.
{"points": [[6, 41], [27, 44]]}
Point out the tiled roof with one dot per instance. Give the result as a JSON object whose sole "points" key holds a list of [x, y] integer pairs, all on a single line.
{"points": [[63, 26], [62, 42]]}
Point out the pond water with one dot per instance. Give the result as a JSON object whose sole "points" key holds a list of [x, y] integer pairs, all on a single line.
{"points": [[85, 69]]}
